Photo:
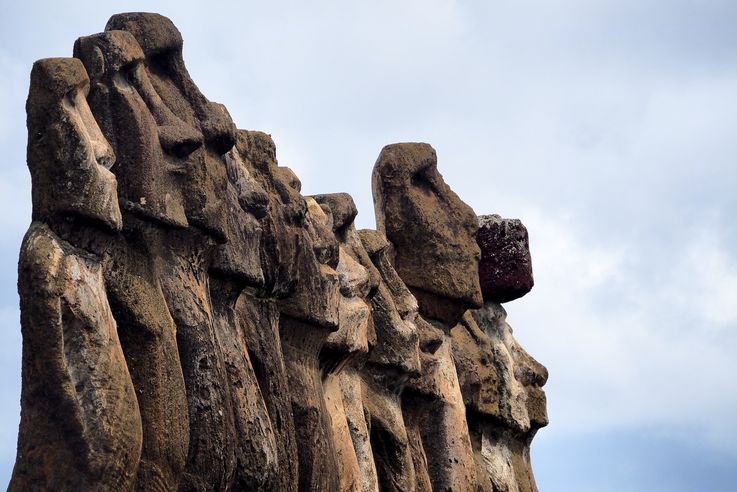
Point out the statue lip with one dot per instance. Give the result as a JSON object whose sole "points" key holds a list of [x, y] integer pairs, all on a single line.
{"points": [[512, 428], [520, 430], [177, 169]]}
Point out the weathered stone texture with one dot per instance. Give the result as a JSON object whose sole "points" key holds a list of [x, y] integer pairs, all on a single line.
{"points": [[505, 268], [191, 321], [432, 230]]}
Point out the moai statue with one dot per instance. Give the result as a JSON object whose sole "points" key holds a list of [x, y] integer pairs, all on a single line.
{"points": [[215, 454], [192, 322], [307, 317], [80, 422], [500, 382], [394, 358], [291, 315], [236, 267], [178, 101], [152, 149], [282, 230], [346, 350], [435, 254]]}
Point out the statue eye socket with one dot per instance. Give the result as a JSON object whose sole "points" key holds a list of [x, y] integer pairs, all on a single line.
{"points": [[131, 73], [423, 180], [70, 98], [162, 62], [127, 78], [69, 101]]}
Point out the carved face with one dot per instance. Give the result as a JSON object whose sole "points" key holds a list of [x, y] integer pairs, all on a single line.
{"points": [[432, 230], [284, 225], [68, 156], [246, 202], [395, 356], [299, 252], [356, 285], [316, 296], [352, 337], [153, 146], [205, 183], [498, 378]]}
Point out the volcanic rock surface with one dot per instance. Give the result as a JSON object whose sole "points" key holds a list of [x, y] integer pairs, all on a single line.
{"points": [[505, 268], [191, 321]]}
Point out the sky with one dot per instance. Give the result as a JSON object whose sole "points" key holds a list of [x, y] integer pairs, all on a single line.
{"points": [[606, 126]]}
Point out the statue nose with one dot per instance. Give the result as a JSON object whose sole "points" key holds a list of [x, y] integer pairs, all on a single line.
{"points": [[254, 199], [218, 128], [531, 372], [178, 140], [431, 338]]}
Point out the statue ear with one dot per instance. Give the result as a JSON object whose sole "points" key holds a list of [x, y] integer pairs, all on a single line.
{"points": [[96, 63], [87, 49]]}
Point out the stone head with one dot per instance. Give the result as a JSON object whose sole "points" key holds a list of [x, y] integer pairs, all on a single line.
{"points": [[153, 146], [68, 156], [283, 224], [355, 330], [247, 202], [316, 294], [506, 383], [499, 380], [395, 356], [432, 230], [342, 211], [205, 183]]}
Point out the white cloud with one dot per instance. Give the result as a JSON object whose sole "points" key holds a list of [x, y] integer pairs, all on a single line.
{"points": [[707, 279]]}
